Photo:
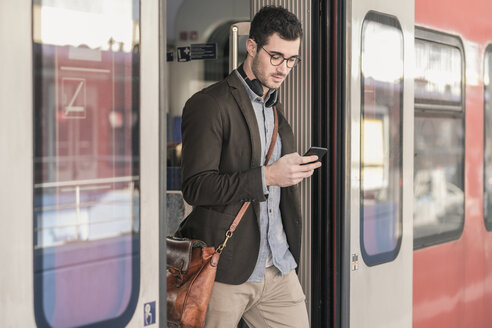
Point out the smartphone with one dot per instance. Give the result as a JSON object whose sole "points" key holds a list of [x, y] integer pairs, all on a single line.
{"points": [[319, 151]]}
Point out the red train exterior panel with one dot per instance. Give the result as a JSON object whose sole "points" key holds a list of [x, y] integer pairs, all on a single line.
{"points": [[452, 284]]}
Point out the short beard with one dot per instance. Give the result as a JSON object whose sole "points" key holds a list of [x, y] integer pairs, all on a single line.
{"points": [[258, 75]]}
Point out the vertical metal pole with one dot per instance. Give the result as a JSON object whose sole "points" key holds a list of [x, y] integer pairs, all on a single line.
{"points": [[77, 210], [234, 49]]}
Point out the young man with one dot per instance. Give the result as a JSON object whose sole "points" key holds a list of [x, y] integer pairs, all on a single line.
{"points": [[226, 130]]}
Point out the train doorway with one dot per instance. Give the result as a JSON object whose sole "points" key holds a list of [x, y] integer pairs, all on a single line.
{"points": [[197, 56]]}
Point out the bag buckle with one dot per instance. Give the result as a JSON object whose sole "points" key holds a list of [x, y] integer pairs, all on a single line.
{"points": [[223, 245]]}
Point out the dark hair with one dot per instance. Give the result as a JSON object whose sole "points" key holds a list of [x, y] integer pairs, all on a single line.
{"points": [[270, 20]]}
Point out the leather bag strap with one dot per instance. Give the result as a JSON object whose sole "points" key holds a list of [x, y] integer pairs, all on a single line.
{"points": [[274, 136], [245, 206]]}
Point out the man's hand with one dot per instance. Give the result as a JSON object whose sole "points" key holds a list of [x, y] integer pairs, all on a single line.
{"points": [[288, 170]]}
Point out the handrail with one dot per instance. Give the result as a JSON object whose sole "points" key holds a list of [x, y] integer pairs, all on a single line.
{"points": [[74, 183], [237, 29]]}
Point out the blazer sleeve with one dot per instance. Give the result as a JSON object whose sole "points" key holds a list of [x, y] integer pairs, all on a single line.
{"points": [[203, 183]]}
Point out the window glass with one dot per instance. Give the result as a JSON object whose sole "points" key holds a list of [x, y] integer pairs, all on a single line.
{"points": [[488, 137], [437, 73], [86, 162], [438, 178], [381, 139], [438, 208]]}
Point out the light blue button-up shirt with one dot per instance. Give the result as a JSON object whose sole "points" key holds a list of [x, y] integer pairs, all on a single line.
{"points": [[274, 249]]}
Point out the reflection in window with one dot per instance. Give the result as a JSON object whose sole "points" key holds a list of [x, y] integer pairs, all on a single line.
{"points": [[438, 207], [438, 176], [488, 137], [437, 73], [86, 162], [381, 139]]}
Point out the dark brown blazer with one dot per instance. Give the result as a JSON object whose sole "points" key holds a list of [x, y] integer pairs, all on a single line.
{"points": [[222, 169]]}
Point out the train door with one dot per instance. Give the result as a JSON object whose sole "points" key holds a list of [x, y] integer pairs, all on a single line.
{"points": [[378, 196], [79, 229]]}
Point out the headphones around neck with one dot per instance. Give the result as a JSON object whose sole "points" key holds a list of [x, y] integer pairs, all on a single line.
{"points": [[257, 88]]}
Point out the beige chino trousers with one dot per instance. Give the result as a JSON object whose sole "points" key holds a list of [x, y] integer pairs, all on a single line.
{"points": [[277, 301]]}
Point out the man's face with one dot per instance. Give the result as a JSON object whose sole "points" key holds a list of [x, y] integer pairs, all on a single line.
{"points": [[269, 75]]}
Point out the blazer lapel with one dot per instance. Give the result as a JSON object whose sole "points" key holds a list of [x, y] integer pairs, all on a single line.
{"points": [[244, 103]]}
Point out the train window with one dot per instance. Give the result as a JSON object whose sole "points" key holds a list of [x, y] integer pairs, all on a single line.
{"points": [[488, 137], [86, 162], [381, 138], [438, 211]]}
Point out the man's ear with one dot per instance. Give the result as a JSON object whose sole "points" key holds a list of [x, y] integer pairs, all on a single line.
{"points": [[251, 47]]}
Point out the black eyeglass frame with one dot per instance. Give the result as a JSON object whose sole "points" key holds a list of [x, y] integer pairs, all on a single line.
{"points": [[283, 59]]}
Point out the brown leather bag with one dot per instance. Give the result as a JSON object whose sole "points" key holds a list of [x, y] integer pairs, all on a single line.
{"points": [[190, 277], [191, 270]]}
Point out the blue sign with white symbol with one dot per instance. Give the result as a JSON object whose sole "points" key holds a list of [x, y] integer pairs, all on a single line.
{"points": [[203, 51], [149, 313], [170, 56], [184, 54]]}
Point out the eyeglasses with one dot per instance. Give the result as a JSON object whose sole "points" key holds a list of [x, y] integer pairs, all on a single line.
{"points": [[277, 60]]}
